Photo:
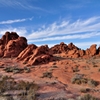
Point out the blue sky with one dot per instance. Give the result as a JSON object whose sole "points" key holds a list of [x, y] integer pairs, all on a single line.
{"points": [[52, 21]]}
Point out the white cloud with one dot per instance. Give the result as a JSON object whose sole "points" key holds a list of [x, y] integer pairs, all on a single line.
{"points": [[21, 31], [15, 21], [67, 28], [66, 37], [21, 4]]}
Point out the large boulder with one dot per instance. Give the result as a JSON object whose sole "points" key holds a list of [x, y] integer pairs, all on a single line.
{"points": [[81, 53], [29, 50], [71, 46], [9, 36], [14, 47], [59, 48], [11, 44], [42, 59], [92, 50], [34, 55]]}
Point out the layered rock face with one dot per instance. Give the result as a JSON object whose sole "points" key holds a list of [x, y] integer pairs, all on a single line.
{"points": [[34, 55], [11, 44]]}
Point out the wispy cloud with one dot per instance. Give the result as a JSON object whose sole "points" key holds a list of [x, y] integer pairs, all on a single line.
{"points": [[67, 29], [15, 21], [61, 31], [66, 37], [20, 30], [19, 4]]}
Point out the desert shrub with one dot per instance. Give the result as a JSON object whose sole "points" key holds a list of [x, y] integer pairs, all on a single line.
{"points": [[75, 69], [13, 69], [47, 74], [8, 69], [26, 70], [84, 80], [6, 83], [26, 90], [92, 83], [84, 90], [54, 67], [31, 95], [79, 79], [9, 98], [88, 97]]}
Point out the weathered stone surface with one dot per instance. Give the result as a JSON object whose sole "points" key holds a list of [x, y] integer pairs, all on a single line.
{"points": [[93, 50], [60, 48], [33, 55], [73, 51], [81, 52], [11, 44], [71, 46], [29, 50]]}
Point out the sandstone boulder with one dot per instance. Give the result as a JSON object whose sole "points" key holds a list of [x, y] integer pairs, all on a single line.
{"points": [[59, 48], [11, 44], [42, 59], [81, 52], [93, 49], [71, 46], [29, 50], [34, 55], [9, 36], [14, 47]]}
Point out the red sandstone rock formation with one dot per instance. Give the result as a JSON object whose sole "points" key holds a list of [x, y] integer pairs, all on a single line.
{"points": [[34, 55], [71, 46], [11, 44], [28, 51], [72, 51], [59, 48]]}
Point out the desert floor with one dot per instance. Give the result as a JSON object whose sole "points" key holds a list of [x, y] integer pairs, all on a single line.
{"points": [[58, 84]]}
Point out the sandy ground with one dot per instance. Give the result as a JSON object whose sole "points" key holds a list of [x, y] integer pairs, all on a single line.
{"points": [[59, 86]]}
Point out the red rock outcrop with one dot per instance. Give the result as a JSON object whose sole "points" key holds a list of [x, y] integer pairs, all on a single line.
{"points": [[34, 55], [71, 46], [29, 50], [92, 50], [59, 48], [81, 53], [11, 44], [72, 51]]}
